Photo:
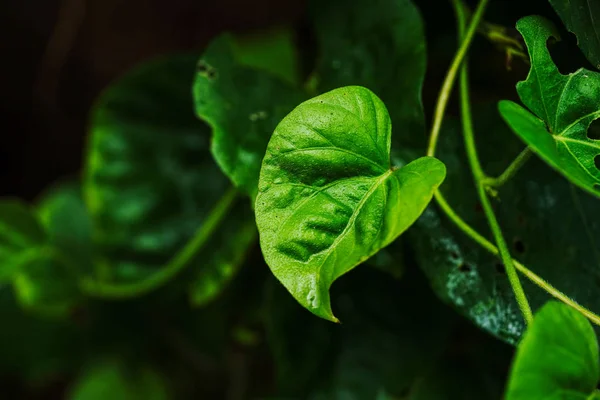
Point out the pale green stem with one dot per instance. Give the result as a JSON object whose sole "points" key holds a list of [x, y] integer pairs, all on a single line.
{"points": [[511, 171], [473, 234], [532, 276], [176, 265], [446, 90], [479, 176]]}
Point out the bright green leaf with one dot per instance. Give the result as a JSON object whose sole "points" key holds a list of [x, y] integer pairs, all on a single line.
{"points": [[113, 380], [378, 44], [150, 180], [21, 235], [563, 108], [242, 105], [557, 358], [550, 226], [328, 197], [582, 18]]}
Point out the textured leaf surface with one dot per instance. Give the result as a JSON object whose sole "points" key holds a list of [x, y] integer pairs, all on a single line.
{"points": [[328, 197], [582, 17], [242, 105], [150, 179], [550, 225], [557, 358], [378, 44], [563, 108]]}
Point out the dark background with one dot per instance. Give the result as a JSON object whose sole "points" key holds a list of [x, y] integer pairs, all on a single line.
{"points": [[57, 56]]}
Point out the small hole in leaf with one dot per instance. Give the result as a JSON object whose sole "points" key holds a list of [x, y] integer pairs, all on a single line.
{"points": [[203, 68], [500, 268], [454, 255], [519, 246], [597, 187], [594, 130], [464, 268], [597, 161]]}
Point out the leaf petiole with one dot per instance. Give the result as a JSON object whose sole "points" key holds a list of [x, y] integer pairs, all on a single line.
{"points": [[511, 171], [94, 288]]}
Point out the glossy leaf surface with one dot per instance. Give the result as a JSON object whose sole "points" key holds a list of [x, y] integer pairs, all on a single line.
{"points": [[328, 197], [151, 180], [550, 226], [581, 17], [378, 44], [562, 109], [242, 105], [557, 358]]}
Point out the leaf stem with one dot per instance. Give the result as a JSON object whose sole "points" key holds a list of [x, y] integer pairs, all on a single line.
{"points": [[446, 89], [511, 171], [479, 177], [177, 264]]}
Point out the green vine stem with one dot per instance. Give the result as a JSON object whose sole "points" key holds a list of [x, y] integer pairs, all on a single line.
{"points": [[466, 228], [446, 90], [479, 177], [511, 171], [532, 276], [177, 264]]}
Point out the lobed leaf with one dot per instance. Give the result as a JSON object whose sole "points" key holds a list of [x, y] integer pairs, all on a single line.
{"points": [[328, 197], [562, 109], [557, 358]]}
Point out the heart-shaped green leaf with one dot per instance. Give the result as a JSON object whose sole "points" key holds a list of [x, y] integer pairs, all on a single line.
{"points": [[563, 108], [328, 198], [581, 17], [151, 182], [557, 358], [242, 105]]}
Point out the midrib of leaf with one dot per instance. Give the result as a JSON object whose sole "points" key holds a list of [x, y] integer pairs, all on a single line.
{"points": [[578, 141], [352, 220]]}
